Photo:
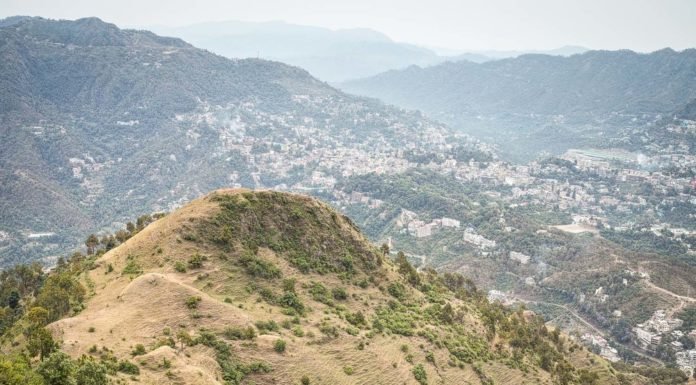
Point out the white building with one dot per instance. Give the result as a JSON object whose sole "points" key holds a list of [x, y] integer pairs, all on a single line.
{"points": [[521, 258]]}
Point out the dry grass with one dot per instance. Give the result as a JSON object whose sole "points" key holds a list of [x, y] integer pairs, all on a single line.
{"points": [[126, 310]]}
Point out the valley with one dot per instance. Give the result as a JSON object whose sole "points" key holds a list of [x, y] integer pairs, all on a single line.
{"points": [[532, 195]]}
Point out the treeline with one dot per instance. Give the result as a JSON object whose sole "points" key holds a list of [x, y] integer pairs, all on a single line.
{"points": [[32, 297], [107, 242]]}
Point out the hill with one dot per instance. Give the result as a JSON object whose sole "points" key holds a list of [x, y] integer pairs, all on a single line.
{"points": [[93, 116], [258, 286], [330, 55], [540, 102]]}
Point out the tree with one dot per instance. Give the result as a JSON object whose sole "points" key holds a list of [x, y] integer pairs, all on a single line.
{"points": [[58, 369], [13, 300], [122, 236], [184, 338], [40, 343], [90, 372], [37, 317], [92, 242], [384, 249], [15, 370]]}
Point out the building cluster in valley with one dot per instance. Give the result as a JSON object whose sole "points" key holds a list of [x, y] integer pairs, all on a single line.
{"points": [[650, 335], [602, 345]]}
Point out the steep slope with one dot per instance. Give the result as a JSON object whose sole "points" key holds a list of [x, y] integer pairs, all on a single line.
{"points": [[211, 289], [92, 115]]}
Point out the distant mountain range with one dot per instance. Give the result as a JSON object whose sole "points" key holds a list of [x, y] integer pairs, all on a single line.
{"points": [[92, 115], [330, 55], [504, 99]]}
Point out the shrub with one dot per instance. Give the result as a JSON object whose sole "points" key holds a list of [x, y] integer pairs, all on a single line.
{"points": [[128, 367], [279, 346], [320, 293], [259, 267], [196, 261], [132, 267], [304, 380], [139, 350], [328, 329], [192, 302], [397, 290], [180, 267], [268, 295], [420, 375], [291, 300], [267, 326], [339, 293], [240, 333], [348, 370], [356, 319]]}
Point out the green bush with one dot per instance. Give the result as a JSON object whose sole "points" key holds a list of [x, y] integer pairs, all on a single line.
{"points": [[420, 375], [239, 333], [339, 293], [279, 346], [397, 290], [132, 267], [192, 302], [320, 293], [128, 367], [139, 350], [267, 326], [180, 267], [258, 267], [196, 261], [356, 319]]}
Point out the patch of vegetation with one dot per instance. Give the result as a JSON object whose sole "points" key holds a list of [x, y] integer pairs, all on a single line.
{"points": [[320, 293], [132, 267], [310, 236], [239, 333], [420, 375], [128, 367], [267, 326], [180, 267], [279, 346], [259, 267], [196, 261], [192, 302], [339, 294], [138, 350], [233, 371]]}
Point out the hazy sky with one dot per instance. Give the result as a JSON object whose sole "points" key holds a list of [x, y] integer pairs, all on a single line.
{"points": [[642, 25]]}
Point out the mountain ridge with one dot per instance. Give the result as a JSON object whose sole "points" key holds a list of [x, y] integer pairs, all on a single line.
{"points": [[155, 124]]}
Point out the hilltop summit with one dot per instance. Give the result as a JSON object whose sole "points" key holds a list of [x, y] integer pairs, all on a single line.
{"points": [[245, 286]]}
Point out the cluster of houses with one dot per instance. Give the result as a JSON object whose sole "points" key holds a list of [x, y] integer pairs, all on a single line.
{"points": [[605, 350], [420, 229], [470, 236], [686, 361], [650, 332]]}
